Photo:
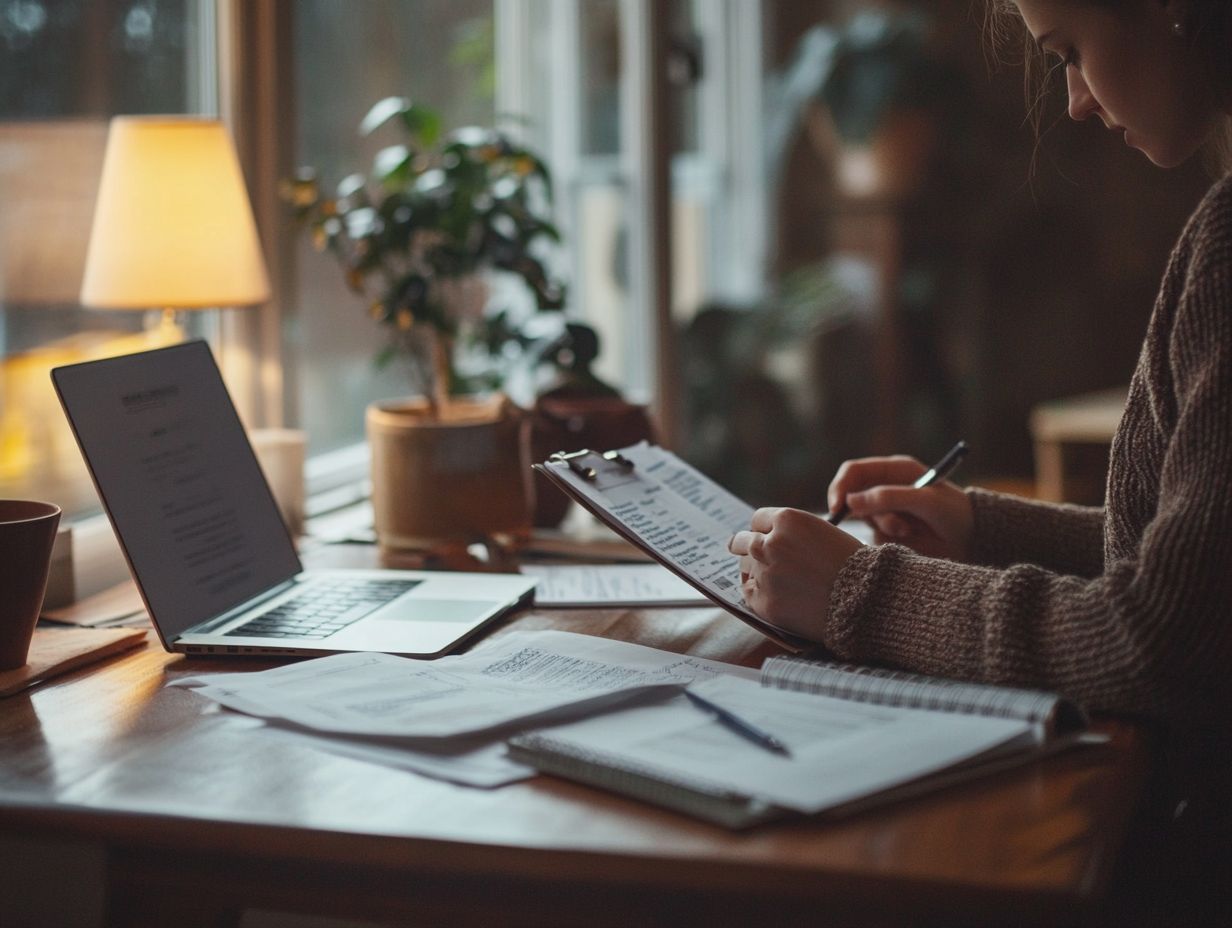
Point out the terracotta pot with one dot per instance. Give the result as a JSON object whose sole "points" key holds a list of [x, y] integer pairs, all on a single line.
{"points": [[453, 480], [571, 423]]}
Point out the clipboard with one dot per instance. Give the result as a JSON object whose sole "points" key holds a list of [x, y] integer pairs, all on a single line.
{"points": [[603, 482]]}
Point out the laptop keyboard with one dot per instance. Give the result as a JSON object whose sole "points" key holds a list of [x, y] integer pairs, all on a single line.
{"points": [[326, 607]]}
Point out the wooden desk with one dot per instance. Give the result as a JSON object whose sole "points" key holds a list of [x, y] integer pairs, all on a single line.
{"points": [[200, 818]]}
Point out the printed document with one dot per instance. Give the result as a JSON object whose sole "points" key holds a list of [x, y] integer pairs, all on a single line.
{"points": [[676, 514], [670, 510], [540, 675], [673, 512], [579, 585], [481, 762]]}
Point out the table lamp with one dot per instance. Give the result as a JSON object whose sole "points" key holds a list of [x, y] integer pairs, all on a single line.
{"points": [[173, 228]]}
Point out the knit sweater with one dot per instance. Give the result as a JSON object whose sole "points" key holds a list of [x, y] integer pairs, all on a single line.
{"points": [[1125, 608]]}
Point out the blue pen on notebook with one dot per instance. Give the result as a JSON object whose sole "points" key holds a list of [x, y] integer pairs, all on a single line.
{"points": [[739, 726]]}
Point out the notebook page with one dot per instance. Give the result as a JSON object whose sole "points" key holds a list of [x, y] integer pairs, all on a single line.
{"points": [[840, 750], [896, 688]]}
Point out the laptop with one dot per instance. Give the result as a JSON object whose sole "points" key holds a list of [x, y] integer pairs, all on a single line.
{"points": [[205, 543]]}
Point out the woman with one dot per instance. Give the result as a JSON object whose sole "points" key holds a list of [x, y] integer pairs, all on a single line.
{"points": [[1126, 608]]}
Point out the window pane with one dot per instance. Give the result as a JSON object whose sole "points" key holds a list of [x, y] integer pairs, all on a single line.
{"points": [[65, 68], [347, 57], [600, 184], [686, 61], [96, 58], [601, 67]]}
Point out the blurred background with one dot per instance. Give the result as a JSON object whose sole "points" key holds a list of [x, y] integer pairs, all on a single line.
{"points": [[804, 230]]}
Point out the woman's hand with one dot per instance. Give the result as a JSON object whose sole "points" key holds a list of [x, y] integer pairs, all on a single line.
{"points": [[936, 521], [788, 561]]}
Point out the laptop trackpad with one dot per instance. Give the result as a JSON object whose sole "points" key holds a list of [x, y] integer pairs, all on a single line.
{"points": [[439, 610]]}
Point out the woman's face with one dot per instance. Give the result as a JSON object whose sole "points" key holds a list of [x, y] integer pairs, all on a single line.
{"points": [[1125, 64]]}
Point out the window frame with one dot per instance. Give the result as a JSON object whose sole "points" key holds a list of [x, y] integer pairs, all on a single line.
{"points": [[250, 47], [728, 172], [225, 65], [254, 55]]}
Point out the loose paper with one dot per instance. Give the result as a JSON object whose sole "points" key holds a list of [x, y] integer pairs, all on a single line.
{"points": [[581, 585], [544, 675]]}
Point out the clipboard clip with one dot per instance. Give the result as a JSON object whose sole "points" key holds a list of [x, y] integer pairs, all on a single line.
{"points": [[573, 460]]}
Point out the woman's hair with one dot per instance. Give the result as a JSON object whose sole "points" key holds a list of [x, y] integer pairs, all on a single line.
{"points": [[1206, 25]]}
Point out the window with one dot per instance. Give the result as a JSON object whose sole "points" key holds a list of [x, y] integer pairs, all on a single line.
{"points": [[575, 75], [568, 69], [562, 69], [346, 57], [65, 68]]}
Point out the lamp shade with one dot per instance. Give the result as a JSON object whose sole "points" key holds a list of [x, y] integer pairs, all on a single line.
{"points": [[173, 228]]}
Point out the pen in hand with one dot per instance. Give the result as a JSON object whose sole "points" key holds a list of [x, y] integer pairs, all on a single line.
{"points": [[739, 726], [938, 471]]}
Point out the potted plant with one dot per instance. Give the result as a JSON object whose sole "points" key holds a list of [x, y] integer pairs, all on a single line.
{"points": [[419, 239]]}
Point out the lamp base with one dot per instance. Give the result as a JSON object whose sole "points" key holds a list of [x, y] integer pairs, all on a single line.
{"points": [[163, 326]]}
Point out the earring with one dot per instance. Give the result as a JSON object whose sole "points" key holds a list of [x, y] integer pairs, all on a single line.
{"points": [[1178, 29]]}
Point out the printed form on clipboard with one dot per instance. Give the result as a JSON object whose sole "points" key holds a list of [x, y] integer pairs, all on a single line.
{"points": [[673, 512]]}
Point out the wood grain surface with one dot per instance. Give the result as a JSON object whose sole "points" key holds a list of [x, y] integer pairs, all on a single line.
{"points": [[203, 816]]}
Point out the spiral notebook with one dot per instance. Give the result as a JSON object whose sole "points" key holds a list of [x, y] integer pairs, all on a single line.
{"points": [[857, 738]]}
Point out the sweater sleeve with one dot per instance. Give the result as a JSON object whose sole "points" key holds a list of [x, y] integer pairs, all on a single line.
{"points": [[1151, 634], [1012, 530]]}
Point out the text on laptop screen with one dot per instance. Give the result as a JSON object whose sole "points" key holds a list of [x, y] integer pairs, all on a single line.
{"points": [[179, 480]]}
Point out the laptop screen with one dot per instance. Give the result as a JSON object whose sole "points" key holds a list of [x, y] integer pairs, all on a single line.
{"points": [[179, 480]]}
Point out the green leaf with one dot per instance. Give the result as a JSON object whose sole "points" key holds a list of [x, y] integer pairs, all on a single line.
{"points": [[471, 137], [384, 356], [350, 185], [392, 165], [431, 182], [505, 188], [465, 173], [541, 171], [423, 123], [382, 112], [546, 228], [362, 222]]}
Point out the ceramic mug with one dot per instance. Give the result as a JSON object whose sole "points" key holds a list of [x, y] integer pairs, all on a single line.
{"points": [[280, 452], [27, 533]]}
